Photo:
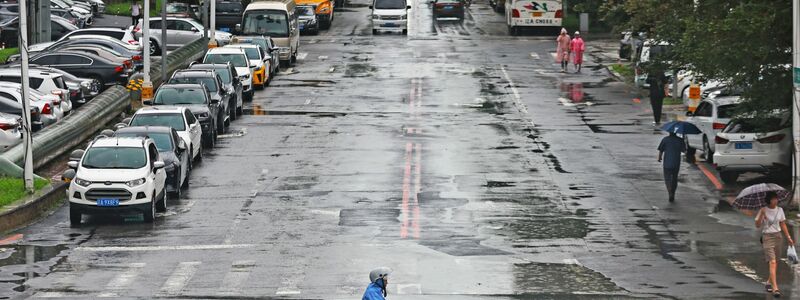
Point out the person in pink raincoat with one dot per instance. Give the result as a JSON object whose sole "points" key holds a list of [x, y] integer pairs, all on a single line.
{"points": [[577, 47], [562, 49]]}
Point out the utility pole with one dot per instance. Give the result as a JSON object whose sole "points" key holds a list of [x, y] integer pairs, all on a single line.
{"points": [[147, 85], [27, 173], [796, 100], [212, 41], [164, 41]]}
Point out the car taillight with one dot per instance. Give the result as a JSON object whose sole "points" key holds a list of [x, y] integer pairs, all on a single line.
{"points": [[718, 125], [559, 14], [772, 139], [46, 109], [127, 63], [137, 29], [133, 42], [720, 140], [119, 69], [73, 93], [136, 57], [515, 13], [7, 126]]}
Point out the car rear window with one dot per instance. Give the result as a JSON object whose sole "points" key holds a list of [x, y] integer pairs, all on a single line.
{"points": [[726, 111], [755, 126], [174, 120], [35, 83], [176, 8], [115, 158], [210, 83], [173, 96], [238, 60], [162, 140], [114, 34]]}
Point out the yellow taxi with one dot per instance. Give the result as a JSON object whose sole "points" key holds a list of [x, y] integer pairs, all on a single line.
{"points": [[258, 63], [323, 9]]}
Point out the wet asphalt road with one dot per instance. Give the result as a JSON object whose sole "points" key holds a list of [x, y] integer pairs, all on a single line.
{"points": [[458, 156]]}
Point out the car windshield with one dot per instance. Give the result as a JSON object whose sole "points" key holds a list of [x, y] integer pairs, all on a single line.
{"points": [[210, 83], [726, 111], [390, 4], [238, 60], [115, 158], [260, 42], [305, 10], [161, 139], [266, 22], [174, 120], [172, 96], [177, 8], [252, 53]]}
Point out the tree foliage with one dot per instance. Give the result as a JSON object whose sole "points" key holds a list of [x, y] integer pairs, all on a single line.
{"points": [[746, 42]]}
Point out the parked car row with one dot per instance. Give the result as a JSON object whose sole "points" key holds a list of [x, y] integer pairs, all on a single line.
{"points": [[146, 162], [65, 16]]}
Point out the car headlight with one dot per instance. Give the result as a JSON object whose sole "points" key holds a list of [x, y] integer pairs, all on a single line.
{"points": [[312, 21], [284, 49], [246, 76], [404, 17], [376, 17], [136, 182], [81, 182]]}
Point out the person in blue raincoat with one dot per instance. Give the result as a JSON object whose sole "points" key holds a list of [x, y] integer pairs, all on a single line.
{"points": [[376, 290]]}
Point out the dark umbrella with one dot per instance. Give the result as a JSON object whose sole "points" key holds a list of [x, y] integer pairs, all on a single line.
{"points": [[752, 198], [681, 127]]}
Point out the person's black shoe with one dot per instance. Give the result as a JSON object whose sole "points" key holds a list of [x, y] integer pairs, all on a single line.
{"points": [[671, 198]]}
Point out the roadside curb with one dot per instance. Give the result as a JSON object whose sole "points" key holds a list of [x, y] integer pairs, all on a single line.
{"points": [[33, 209], [615, 74]]}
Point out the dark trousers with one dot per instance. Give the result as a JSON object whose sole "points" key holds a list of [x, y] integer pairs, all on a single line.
{"points": [[671, 179], [134, 20], [657, 103]]}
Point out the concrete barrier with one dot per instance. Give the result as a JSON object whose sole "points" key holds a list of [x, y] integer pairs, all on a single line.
{"points": [[83, 123], [33, 209]]}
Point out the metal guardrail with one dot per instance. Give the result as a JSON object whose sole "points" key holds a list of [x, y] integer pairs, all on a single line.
{"points": [[83, 123]]}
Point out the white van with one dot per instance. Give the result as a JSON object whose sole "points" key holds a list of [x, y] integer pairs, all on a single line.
{"points": [[276, 19], [389, 15], [526, 13]]}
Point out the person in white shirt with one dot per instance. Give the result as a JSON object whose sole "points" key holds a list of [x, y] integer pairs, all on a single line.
{"points": [[772, 222], [136, 11]]}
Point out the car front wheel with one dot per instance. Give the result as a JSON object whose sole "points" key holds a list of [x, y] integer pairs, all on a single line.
{"points": [[161, 206], [709, 154], [150, 214], [75, 216]]}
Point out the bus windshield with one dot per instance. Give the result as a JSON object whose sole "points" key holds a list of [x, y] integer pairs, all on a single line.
{"points": [[273, 23]]}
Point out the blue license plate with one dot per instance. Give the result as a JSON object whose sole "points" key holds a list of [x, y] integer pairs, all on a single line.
{"points": [[301, 27], [226, 29], [390, 25], [448, 7], [744, 146], [107, 202]]}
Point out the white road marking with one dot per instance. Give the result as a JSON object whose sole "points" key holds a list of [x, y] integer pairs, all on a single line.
{"points": [[233, 281], [122, 281], [283, 291], [534, 55], [322, 57], [331, 69], [162, 248], [517, 98], [745, 270], [571, 261], [409, 289], [49, 295], [179, 278], [302, 55], [308, 101]]}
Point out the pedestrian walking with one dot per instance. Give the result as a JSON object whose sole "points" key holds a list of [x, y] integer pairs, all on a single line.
{"points": [[772, 222], [657, 83], [562, 49], [577, 47], [136, 12], [669, 151], [376, 290]]}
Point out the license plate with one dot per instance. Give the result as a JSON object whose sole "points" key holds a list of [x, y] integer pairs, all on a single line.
{"points": [[226, 29], [389, 25], [448, 7], [744, 146], [107, 202]]}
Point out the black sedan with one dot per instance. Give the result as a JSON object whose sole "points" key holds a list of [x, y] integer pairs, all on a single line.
{"points": [[171, 149], [448, 8], [84, 64], [216, 89], [195, 97], [229, 78]]}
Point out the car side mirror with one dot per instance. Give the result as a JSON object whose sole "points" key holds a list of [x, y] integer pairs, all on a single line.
{"points": [[72, 164], [238, 27], [158, 165], [68, 175], [127, 120], [181, 145], [408, 6], [147, 102], [76, 155], [370, 7]]}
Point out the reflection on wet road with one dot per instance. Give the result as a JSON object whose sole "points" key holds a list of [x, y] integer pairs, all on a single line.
{"points": [[458, 156]]}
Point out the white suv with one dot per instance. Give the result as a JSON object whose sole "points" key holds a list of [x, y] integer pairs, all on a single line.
{"points": [[745, 147], [42, 81], [238, 59], [391, 15], [118, 175]]}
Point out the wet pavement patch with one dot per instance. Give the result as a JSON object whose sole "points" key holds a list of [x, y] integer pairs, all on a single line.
{"points": [[359, 70], [535, 227], [257, 111], [19, 263], [564, 278], [492, 184], [461, 247], [368, 217]]}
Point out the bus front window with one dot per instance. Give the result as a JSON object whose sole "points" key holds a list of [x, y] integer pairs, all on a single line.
{"points": [[273, 23]]}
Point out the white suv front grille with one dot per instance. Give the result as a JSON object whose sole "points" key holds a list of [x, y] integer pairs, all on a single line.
{"points": [[121, 194]]}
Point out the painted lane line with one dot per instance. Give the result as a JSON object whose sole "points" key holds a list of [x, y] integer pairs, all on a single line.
{"points": [[121, 282], [417, 188], [322, 57], [534, 55], [406, 190], [233, 281], [517, 98], [302, 55], [162, 248], [179, 278]]}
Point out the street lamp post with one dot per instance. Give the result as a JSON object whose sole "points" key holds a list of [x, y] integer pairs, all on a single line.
{"points": [[212, 41], [796, 100], [27, 173], [164, 41], [147, 85]]}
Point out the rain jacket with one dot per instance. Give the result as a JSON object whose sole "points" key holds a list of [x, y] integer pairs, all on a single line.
{"points": [[374, 291], [578, 47], [562, 49]]}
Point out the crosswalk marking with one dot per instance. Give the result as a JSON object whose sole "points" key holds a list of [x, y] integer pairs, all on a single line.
{"points": [[179, 278], [122, 281], [163, 248], [233, 281]]}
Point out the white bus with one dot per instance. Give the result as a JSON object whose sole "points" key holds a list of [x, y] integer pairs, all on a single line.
{"points": [[536, 13]]}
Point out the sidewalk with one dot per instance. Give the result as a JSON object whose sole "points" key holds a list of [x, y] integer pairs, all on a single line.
{"points": [[112, 21]]}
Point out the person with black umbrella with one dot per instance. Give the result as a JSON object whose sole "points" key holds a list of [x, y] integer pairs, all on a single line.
{"points": [[657, 82], [670, 150]]}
